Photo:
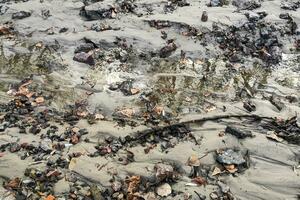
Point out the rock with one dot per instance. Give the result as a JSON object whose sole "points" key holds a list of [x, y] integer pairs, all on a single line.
{"points": [[229, 157], [290, 5], [246, 4], [84, 48], [164, 190], [163, 172], [46, 145], [21, 15], [61, 187], [238, 133], [96, 11], [285, 16], [14, 147], [215, 3], [252, 16], [84, 58], [204, 16], [167, 50]]}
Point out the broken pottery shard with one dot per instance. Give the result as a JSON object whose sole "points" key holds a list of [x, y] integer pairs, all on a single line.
{"points": [[84, 58], [21, 15], [229, 157], [238, 133]]}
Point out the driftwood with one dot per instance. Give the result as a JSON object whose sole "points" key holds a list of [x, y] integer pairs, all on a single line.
{"points": [[141, 134]]}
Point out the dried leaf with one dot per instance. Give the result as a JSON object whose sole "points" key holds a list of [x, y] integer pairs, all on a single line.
{"points": [[40, 100], [199, 180], [99, 117], [13, 184], [216, 171], [133, 184], [53, 173], [193, 161], [159, 110], [210, 108], [134, 90], [74, 139], [274, 137], [231, 168], [50, 197], [128, 112], [4, 30]]}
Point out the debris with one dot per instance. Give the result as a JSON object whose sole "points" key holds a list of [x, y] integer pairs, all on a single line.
{"points": [[84, 48]]}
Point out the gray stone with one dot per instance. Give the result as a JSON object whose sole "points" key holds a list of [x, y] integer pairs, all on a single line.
{"points": [[230, 157]]}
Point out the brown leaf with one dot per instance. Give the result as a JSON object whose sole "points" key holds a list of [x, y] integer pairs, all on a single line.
{"points": [[193, 161], [4, 30], [231, 168], [50, 197], [53, 173], [216, 171], [39, 100], [99, 117], [133, 183], [13, 184], [199, 180], [74, 139], [159, 110], [128, 112], [134, 90]]}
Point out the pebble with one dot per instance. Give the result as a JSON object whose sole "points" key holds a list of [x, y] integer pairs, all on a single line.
{"points": [[21, 15]]}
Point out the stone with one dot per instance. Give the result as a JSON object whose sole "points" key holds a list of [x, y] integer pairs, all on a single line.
{"points": [[204, 16], [84, 58], [229, 157], [21, 15], [96, 11]]}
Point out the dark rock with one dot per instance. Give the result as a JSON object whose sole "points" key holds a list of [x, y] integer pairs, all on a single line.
{"points": [[164, 35], [46, 14], [21, 15], [285, 16], [63, 30], [96, 11], [240, 134], [204, 16], [3, 9], [84, 48], [229, 157], [101, 27], [290, 5], [246, 4], [14, 147], [84, 58], [215, 3], [167, 50]]}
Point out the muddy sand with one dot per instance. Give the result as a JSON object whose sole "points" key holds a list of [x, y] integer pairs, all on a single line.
{"points": [[149, 99]]}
